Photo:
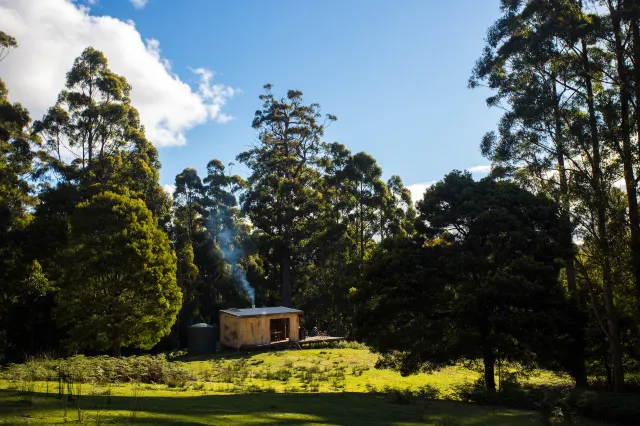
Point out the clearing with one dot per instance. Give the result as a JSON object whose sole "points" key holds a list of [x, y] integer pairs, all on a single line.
{"points": [[299, 387]]}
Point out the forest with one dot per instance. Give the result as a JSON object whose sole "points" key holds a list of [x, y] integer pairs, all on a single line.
{"points": [[536, 266]]}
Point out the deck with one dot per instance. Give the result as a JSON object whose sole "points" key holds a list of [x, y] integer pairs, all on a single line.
{"points": [[283, 344], [319, 339]]}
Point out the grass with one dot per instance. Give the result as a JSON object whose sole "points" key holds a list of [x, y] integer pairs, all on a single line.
{"points": [[190, 408], [353, 368], [314, 386]]}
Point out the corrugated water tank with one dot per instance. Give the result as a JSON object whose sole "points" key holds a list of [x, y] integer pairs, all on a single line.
{"points": [[203, 339]]}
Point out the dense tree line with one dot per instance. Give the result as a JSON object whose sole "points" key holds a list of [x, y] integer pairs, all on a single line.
{"points": [[536, 265], [566, 75], [97, 257]]}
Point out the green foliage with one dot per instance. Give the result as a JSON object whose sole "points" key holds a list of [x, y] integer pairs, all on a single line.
{"points": [[95, 122], [568, 133], [101, 370], [292, 372], [206, 233], [21, 279], [282, 192], [6, 44], [119, 287], [487, 288]]}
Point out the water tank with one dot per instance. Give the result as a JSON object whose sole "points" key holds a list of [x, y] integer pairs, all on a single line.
{"points": [[203, 339]]}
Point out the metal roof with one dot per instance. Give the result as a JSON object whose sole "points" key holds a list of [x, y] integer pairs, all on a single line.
{"points": [[251, 312]]}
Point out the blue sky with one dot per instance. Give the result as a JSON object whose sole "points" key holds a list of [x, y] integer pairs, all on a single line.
{"points": [[394, 72]]}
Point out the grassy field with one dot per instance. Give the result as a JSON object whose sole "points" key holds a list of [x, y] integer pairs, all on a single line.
{"points": [[336, 370], [308, 387]]}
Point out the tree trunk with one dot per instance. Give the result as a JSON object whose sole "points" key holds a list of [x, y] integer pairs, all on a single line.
{"points": [[361, 231], [285, 291], [336, 317], [635, 28], [627, 154], [489, 371], [577, 367], [603, 237], [607, 365], [116, 350], [177, 347], [564, 189]]}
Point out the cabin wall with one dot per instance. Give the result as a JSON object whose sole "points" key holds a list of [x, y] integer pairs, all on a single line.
{"points": [[249, 331], [255, 330], [230, 330]]}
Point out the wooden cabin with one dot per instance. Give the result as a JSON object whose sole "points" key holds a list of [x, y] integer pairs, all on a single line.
{"points": [[259, 326]]}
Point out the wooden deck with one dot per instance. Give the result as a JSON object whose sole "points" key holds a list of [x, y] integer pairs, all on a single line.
{"points": [[319, 339], [284, 344]]}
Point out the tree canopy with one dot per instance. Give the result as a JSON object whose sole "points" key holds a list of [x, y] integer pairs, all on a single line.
{"points": [[119, 285]]}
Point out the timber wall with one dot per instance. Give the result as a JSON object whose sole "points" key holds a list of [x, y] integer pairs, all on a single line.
{"points": [[248, 331]]}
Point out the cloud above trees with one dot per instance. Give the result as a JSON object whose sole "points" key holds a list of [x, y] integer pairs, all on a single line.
{"points": [[52, 33]]}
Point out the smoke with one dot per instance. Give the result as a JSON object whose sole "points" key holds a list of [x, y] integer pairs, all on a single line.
{"points": [[233, 258]]}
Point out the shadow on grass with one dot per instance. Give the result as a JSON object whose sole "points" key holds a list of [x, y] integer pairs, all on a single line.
{"points": [[262, 408], [222, 355]]}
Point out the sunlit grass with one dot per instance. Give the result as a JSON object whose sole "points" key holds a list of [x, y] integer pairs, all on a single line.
{"points": [[360, 374], [302, 387]]}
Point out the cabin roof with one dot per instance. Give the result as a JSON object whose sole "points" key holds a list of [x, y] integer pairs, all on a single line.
{"points": [[252, 312]]}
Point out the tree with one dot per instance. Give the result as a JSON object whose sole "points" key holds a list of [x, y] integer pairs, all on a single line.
{"points": [[119, 286], [565, 72], [399, 214], [22, 284], [282, 194], [92, 142], [221, 200], [95, 126], [482, 283], [6, 44], [369, 191], [188, 201]]}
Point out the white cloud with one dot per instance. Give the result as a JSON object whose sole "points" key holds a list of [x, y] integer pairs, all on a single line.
{"points": [[169, 188], [139, 4], [52, 33], [480, 169], [418, 189]]}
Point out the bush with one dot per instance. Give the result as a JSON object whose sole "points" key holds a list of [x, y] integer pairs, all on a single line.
{"points": [[100, 370], [429, 392], [402, 396], [559, 402], [341, 344], [607, 406]]}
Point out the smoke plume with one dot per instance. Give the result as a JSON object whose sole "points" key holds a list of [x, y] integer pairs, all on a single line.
{"points": [[233, 258]]}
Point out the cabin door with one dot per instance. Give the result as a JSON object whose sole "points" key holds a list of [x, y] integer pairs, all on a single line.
{"points": [[279, 329]]}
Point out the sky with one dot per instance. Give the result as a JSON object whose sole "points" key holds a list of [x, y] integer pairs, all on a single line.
{"points": [[394, 72]]}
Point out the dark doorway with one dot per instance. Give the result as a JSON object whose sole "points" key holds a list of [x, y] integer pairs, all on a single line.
{"points": [[279, 329]]}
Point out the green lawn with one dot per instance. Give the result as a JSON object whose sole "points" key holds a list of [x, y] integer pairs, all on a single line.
{"points": [[357, 366], [255, 409], [307, 387]]}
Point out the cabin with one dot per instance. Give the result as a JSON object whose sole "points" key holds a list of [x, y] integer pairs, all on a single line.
{"points": [[255, 327]]}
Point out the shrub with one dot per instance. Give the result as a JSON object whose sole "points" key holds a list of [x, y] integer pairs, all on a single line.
{"points": [[100, 370], [402, 396], [252, 388], [429, 392], [608, 406], [559, 402]]}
